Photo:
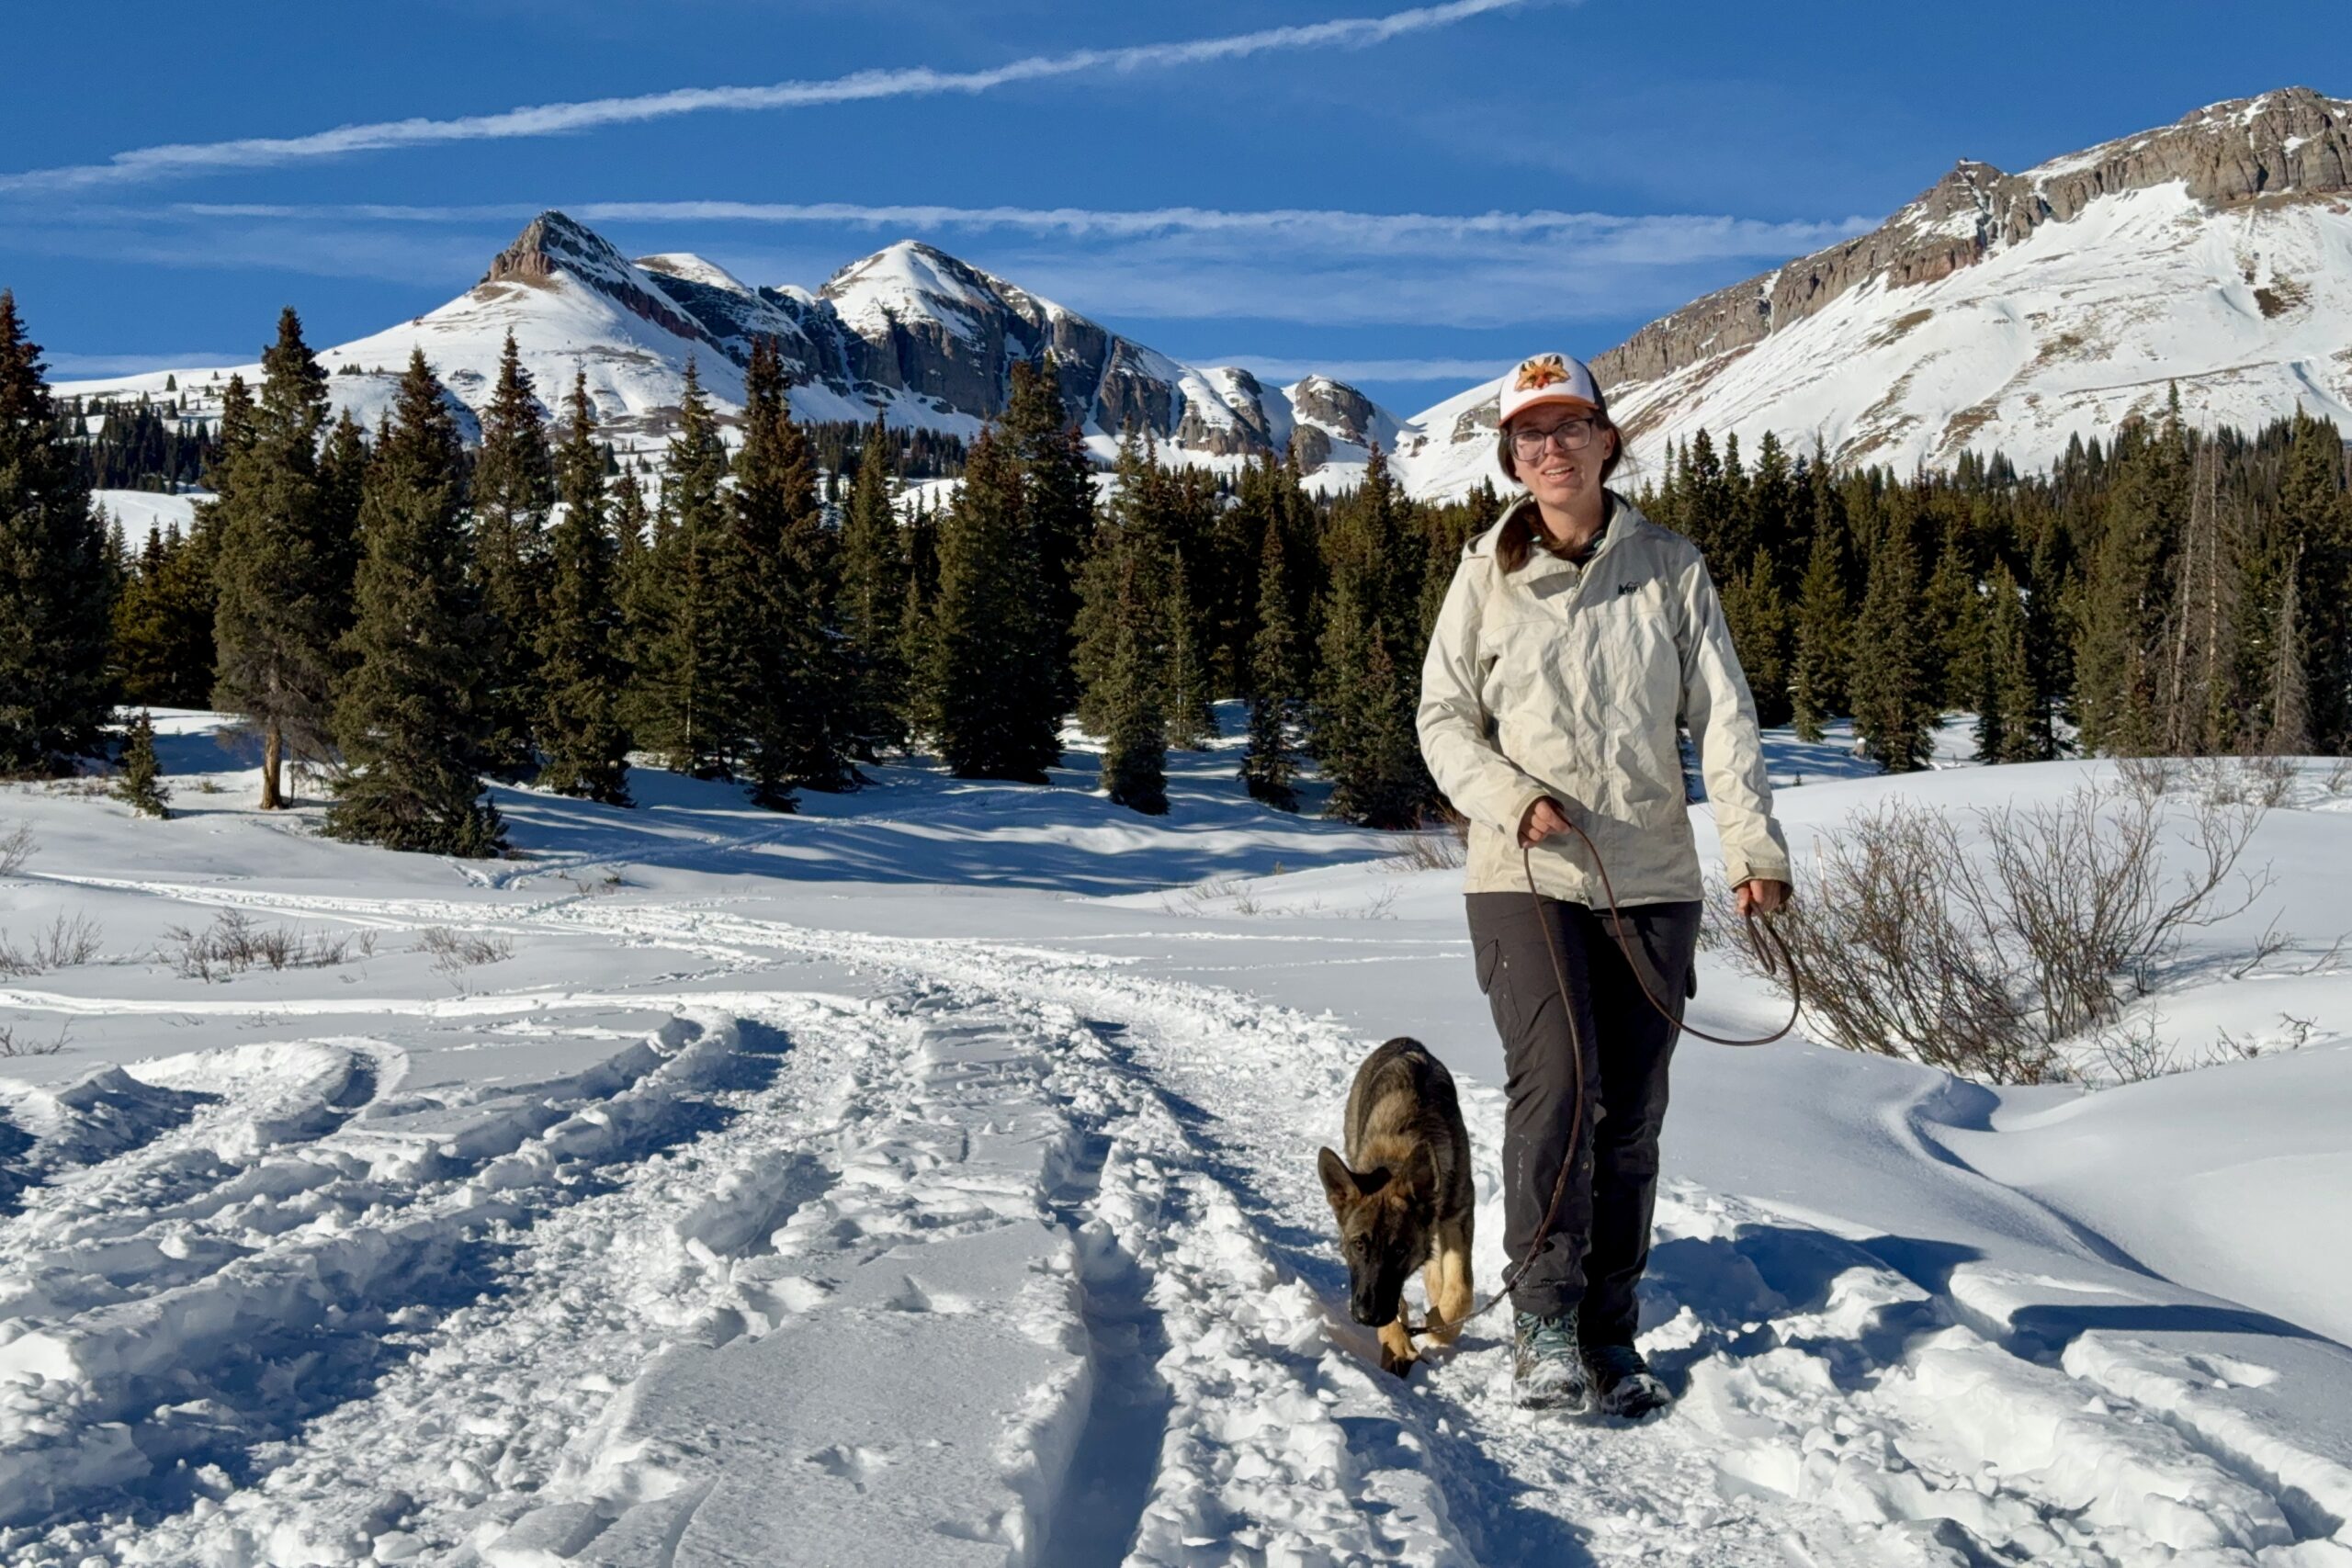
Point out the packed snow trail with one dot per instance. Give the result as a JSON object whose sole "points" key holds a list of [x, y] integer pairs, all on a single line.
{"points": [[1018, 1257]]}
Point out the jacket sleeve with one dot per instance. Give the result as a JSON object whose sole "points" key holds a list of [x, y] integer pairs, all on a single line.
{"points": [[1721, 714], [1455, 729]]}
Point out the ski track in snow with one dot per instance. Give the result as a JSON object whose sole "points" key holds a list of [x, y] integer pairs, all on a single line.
{"points": [[1019, 1259]]}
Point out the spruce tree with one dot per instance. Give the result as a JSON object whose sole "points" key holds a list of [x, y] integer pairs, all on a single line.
{"points": [[412, 715], [1890, 684], [998, 704], [1758, 618], [140, 786], [582, 741], [1268, 764], [789, 683], [1135, 746], [1192, 722], [918, 627], [1366, 689], [282, 600], [873, 595], [162, 622], [1057, 504], [2120, 656], [2290, 695], [679, 705], [513, 487], [2009, 723], [56, 692], [1817, 679], [2316, 516]]}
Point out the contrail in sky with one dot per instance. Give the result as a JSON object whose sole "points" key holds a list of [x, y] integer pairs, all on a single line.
{"points": [[549, 119]]}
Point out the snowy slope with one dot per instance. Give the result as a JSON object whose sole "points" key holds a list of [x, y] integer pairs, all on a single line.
{"points": [[928, 1178], [2012, 312], [924, 339]]}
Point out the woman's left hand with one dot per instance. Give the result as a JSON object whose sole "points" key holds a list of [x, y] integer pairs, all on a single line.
{"points": [[1758, 896]]}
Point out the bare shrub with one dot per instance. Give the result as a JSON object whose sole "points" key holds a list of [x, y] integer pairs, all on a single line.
{"points": [[2270, 781], [2147, 779], [66, 940], [11, 1046], [233, 943], [1909, 944], [453, 951], [1434, 850], [16, 849]]}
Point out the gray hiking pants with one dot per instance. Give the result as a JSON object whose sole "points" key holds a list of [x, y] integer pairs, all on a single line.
{"points": [[1599, 1242]]}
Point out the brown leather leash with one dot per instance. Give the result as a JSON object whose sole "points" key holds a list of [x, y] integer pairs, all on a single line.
{"points": [[1774, 960]]}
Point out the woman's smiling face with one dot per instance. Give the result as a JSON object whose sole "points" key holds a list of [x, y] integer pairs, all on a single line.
{"points": [[1559, 450]]}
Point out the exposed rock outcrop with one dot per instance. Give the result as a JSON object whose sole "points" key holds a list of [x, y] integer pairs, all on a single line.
{"points": [[2281, 145]]}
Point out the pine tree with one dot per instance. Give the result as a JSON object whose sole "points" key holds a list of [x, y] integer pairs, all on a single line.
{"points": [[2119, 657], [141, 787], [918, 642], [788, 683], [56, 692], [1362, 718], [1759, 616], [679, 702], [2009, 724], [580, 736], [1192, 722], [1057, 503], [1956, 624], [1268, 766], [1135, 746], [513, 487], [1817, 678], [162, 622], [1892, 687], [874, 591], [2316, 517], [999, 708], [2290, 695], [281, 604], [410, 716]]}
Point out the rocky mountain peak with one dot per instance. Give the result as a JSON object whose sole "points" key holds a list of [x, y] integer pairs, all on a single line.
{"points": [[2284, 144]]}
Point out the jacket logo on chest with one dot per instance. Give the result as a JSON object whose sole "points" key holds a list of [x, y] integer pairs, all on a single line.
{"points": [[1625, 588]]}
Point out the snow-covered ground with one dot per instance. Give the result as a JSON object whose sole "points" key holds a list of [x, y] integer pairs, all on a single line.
{"points": [[928, 1179]]}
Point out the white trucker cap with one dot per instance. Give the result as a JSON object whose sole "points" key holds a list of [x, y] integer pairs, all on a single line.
{"points": [[1548, 379]]}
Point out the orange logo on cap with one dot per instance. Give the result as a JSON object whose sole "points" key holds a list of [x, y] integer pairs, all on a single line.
{"points": [[1543, 370]]}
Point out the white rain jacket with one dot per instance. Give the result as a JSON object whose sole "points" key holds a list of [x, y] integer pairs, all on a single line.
{"points": [[1568, 680]]}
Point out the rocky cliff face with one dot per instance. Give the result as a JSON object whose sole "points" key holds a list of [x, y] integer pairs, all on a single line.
{"points": [[2280, 146], [918, 333]]}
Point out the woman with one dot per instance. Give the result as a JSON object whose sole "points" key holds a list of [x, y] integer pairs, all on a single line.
{"points": [[1576, 637]]}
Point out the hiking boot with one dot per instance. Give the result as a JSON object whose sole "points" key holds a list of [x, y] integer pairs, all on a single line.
{"points": [[1546, 1373], [1623, 1382]]}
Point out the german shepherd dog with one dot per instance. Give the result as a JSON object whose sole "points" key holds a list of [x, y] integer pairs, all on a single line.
{"points": [[1403, 1196]]}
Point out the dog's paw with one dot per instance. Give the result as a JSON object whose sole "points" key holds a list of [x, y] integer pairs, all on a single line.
{"points": [[1401, 1366]]}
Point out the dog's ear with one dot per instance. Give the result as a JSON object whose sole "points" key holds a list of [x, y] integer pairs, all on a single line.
{"points": [[1339, 1181]]}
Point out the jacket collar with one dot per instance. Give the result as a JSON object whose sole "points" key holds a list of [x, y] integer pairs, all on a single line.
{"points": [[1624, 521]]}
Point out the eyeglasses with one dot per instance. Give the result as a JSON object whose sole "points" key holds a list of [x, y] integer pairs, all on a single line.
{"points": [[1572, 436]]}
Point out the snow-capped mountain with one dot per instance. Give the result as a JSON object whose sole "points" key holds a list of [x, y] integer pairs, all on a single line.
{"points": [[1996, 312], [912, 332], [2012, 312]]}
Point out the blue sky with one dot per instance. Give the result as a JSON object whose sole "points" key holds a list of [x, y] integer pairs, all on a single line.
{"points": [[1300, 182]]}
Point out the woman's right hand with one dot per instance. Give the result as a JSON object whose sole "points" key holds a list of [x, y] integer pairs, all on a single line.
{"points": [[1543, 820]]}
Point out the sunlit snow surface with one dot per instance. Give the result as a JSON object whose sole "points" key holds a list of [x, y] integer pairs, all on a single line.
{"points": [[928, 1178]]}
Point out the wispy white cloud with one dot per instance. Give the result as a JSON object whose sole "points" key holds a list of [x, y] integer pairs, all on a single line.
{"points": [[1276, 369], [131, 364], [1655, 236], [551, 120]]}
